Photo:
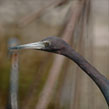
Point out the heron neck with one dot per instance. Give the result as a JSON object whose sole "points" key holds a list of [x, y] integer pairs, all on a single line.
{"points": [[93, 73]]}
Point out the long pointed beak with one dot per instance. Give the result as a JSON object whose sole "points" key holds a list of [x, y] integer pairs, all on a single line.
{"points": [[36, 45]]}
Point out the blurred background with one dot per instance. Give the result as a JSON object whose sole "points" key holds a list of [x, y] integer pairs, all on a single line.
{"points": [[45, 80]]}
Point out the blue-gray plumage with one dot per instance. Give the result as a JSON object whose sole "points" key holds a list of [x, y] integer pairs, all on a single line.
{"points": [[57, 45]]}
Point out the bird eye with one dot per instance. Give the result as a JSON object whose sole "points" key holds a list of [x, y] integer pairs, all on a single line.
{"points": [[46, 44]]}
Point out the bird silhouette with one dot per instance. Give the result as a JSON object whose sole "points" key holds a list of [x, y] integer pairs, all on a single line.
{"points": [[59, 46]]}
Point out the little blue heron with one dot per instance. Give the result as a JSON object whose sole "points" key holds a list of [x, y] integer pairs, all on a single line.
{"points": [[59, 46]]}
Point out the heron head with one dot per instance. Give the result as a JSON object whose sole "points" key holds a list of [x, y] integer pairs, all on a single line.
{"points": [[50, 44]]}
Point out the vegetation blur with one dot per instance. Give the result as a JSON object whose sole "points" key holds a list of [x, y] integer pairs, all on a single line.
{"points": [[47, 81]]}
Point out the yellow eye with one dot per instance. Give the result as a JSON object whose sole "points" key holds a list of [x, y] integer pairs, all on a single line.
{"points": [[46, 44]]}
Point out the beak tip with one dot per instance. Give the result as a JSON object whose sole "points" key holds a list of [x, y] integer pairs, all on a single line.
{"points": [[14, 48]]}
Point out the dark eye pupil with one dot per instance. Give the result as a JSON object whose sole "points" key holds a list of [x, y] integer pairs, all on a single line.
{"points": [[46, 44]]}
